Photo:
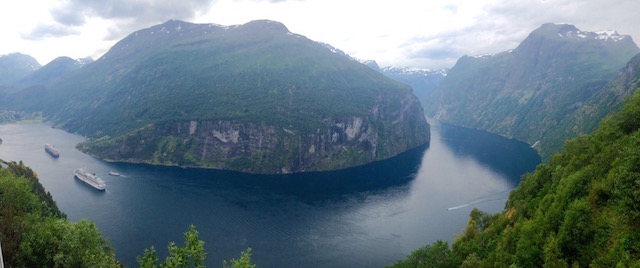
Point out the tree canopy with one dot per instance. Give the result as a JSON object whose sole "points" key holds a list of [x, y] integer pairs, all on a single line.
{"points": [[581, 209]]}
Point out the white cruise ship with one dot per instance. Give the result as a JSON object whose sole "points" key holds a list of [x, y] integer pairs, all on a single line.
{"points": [[90, 179], [51, 150]]}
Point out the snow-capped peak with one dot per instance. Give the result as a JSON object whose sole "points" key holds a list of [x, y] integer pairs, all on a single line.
{"points": [[83, 61], [481, 56], [414, 71], [609, 34], [337, 51], [365, 62], [599, 35]]}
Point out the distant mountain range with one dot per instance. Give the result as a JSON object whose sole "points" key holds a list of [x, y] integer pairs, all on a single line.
{"points": [[424, 82], [528, 93], [20, 71], [558, 83], [53, 71], [253, 98], [14, 67]]}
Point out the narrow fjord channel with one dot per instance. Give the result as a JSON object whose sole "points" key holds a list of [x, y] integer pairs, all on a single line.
{"points": [[368, 216]]}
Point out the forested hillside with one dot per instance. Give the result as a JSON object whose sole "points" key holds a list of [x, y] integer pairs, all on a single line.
{"points": [[35, 233], [585, 119], [581, 209]]}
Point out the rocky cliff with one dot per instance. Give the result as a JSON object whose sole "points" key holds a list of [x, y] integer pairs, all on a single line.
{"points": [[340, 142], [253, 98]]}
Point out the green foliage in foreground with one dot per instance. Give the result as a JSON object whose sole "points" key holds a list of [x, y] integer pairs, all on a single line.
{"points": [[191, 254], [243, 262], [34, 233], [581, 209]]}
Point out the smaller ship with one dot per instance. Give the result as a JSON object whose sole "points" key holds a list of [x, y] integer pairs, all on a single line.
{"points": [[51, 150], [113, 173], [90, 178]]}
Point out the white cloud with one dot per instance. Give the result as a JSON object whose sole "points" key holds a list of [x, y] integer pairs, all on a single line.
{"points": [[429, 34]]}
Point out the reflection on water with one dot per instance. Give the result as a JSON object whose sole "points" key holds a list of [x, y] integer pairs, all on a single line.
{"points": [[319, 186], [494, 151], [367, 216]]}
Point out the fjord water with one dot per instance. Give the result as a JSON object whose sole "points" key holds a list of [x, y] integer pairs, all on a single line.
{"points": [[368, 216]]}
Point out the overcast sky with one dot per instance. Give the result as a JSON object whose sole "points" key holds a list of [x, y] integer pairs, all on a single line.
{"points": [[412, 33]]}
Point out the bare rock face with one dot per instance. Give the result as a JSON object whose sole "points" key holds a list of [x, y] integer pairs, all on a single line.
{"points": [[393, 125]]}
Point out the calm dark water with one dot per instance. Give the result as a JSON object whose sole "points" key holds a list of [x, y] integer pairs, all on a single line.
{"points": [[363, 217]]}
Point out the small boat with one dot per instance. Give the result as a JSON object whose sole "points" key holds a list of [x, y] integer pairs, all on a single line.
{"points": [[90, 178], [113, 173], [51, 150]]}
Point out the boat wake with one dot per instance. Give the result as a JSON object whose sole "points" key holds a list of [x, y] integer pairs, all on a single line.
{"points": [[484, 199], [460, 206]]}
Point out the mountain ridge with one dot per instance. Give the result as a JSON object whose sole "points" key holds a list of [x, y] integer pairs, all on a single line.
{"points": [[525, 92], [15, 66], [425, 82], [253, 98], [586, 118], [53, 71]]}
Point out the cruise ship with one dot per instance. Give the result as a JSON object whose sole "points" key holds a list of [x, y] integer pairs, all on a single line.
{"points": [[90, 179], [51, 150]]}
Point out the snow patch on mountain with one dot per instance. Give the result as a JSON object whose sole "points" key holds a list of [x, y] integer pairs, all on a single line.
{"points": [[83, 61], [337, 51], [410, 71], [481, 56], [227, 27], [607, 35], [610, 34], [414, 71]]}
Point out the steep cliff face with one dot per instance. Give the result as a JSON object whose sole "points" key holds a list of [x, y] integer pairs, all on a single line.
{"points": [[526, 92], [587, 117], [392, 126], [253, 98]]}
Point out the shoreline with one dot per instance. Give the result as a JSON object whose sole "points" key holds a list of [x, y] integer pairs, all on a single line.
{"points": [[422, 148]]}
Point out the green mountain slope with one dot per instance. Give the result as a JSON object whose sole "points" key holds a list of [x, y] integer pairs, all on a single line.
{"points": [[252, 97], [527, 92], [581, 209], [14, 67], [53, 71], [585, 119]]}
